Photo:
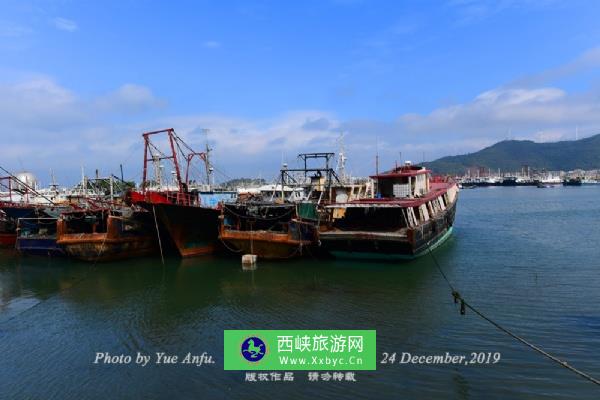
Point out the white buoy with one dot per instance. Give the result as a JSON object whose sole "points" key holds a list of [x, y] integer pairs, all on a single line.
{"points": [[249, 261]]}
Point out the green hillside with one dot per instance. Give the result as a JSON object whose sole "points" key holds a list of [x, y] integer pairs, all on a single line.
{"points": [[512, 155]]}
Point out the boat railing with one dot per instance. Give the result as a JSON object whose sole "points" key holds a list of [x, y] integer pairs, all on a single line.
{"points": [[167, 197]]}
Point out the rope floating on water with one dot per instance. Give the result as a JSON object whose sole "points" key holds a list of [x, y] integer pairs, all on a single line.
{"points": [[464, 304]]}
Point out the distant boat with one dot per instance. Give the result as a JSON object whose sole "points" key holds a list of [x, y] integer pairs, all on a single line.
{"points": [[572, 182], [550, 179], [590, 182], [509, 181]]}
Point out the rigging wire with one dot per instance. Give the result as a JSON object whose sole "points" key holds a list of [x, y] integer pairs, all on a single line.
{"points": [[464, 304], [162, 258]]}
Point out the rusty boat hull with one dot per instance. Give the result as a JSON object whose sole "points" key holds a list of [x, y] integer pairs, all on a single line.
{"points": [[97, 247], [193, 230], [124, 237], [271, 245], [266, 229]]}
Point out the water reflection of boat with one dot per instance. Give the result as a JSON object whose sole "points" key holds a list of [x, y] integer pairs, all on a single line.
{"points": [[37, 236], [105, 235]]}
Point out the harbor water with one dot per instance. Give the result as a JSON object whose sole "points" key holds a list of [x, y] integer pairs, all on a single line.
{"points": [[529, 258]]}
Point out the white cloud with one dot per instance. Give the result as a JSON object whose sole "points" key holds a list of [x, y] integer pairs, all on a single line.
{"points": [[55, 127], [129, 98], [48, 126], [494, 112], [36, 104], [256, 138], [589, 59], [65, 24], [540, 114]]}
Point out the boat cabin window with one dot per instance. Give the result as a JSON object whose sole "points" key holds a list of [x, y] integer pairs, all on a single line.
{"points": [[403, 186], [380, 219], [397, 187]]}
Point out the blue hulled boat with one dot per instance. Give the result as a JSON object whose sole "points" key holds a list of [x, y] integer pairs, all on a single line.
{"points": [[37, 236]]}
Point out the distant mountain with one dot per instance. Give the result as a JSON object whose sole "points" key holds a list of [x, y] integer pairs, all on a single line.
{"points": [[512, 155]]}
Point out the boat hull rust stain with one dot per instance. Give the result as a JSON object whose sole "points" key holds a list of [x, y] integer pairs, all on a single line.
{"points": [[114, 244], [98, 249], [194, 230], [267, 245]]}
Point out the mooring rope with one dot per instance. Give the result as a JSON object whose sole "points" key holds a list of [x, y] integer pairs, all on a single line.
{"points": [[162, 258], [228, 247], [101, 250], [464, 304]]}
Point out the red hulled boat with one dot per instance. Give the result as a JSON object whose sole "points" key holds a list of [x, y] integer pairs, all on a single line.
{"points": [[192, 226]]}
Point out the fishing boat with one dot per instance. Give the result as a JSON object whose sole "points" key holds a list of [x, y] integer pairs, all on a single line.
{"points": [[572, 182], [465, 186], [107, 234], [267, 230], [281, 220], [37, 236], [189, 211], [590, 181], [23, 199], [192, 227], [409, 214]]}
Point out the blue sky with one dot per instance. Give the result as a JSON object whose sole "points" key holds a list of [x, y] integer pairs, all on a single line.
{"points": [[80, 80]]}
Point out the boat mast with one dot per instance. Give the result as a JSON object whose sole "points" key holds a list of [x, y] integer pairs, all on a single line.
{"points": [[206, 158], [82, 181], [341, 165], [376, 155]]}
